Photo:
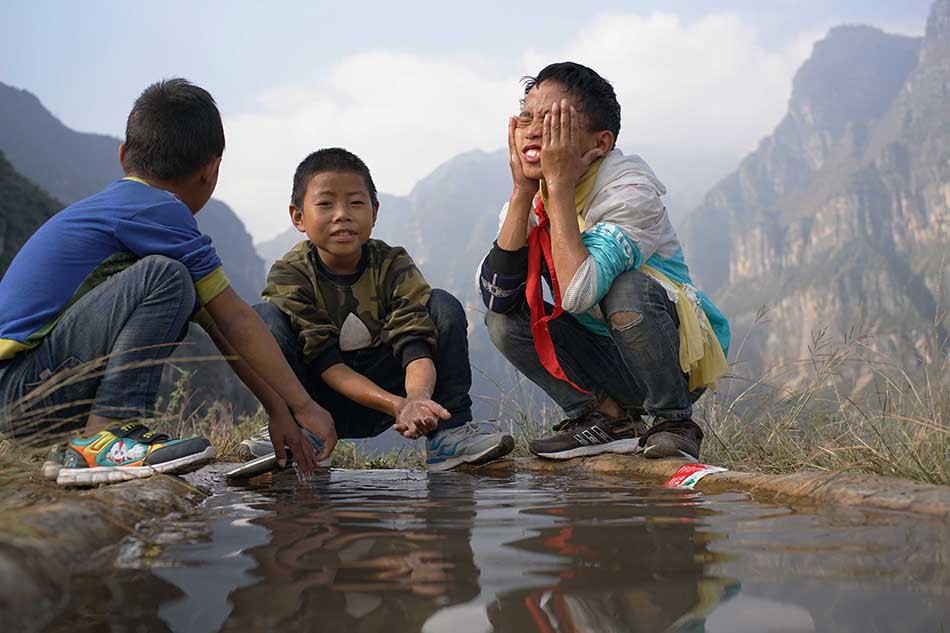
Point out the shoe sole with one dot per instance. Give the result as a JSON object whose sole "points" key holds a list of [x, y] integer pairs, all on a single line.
{"points": [[501, 449], [628, 446], [51, 470], [662, 452], [114, 474]]}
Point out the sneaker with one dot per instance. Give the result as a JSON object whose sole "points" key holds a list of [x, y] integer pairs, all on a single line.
{"points": [[591, 434], [54, 461], [472, 443], [259, 445], [127, 452], [673, 438]]}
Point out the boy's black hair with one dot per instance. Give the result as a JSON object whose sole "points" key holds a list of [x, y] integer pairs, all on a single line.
{"points": [[173, 130], [597, 98], [330, 159]]}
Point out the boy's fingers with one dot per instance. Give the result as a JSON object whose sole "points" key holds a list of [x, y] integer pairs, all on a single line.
{"points": [[556, 123], [512, 122], [329, 443], [546, 131], [572, 127]]}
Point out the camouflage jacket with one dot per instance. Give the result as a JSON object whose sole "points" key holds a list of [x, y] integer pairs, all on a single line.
{"points": [[384, 303]]}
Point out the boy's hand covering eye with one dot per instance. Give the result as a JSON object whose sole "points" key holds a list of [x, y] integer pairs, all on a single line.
{"points": [[522, 183], [562, 161], [418, 416]]}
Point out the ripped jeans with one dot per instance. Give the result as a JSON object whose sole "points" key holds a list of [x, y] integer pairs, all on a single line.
{"points": [[637, 365]]}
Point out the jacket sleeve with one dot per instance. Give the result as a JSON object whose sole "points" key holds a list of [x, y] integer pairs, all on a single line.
{"points": [[502, 277], [407, 326], [291, 290]]}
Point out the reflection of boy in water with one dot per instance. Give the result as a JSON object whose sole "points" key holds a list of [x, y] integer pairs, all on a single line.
{"points": [[643, 577], [334, 570]]}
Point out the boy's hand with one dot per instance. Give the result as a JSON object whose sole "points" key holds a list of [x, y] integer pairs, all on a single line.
{"points": [[417, 416], [562, 161], [522, 184], [284, 432]]}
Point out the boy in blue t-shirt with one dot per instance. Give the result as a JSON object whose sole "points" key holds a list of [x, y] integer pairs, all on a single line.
{"points": [[99, 296]]}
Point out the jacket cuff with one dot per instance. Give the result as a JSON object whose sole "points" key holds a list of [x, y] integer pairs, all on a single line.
{"points": [[414, 350], [327, 359], [508, 262]]}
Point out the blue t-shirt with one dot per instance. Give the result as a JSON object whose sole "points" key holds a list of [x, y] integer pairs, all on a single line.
{"points": [[85, 243]]}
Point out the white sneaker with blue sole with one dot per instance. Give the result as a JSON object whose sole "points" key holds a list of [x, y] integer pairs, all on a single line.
{"points": [[473, 443]]}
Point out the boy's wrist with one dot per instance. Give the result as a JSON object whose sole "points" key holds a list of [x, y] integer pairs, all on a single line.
{"points": [[519, 194]]}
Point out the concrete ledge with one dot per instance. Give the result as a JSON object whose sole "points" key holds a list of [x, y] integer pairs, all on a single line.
{"points": [[43, 546], [851, 489]]}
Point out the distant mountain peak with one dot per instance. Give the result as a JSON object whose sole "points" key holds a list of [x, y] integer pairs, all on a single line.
{"points": [[853, 75]]}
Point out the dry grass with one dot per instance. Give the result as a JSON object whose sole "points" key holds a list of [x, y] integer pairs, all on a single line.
{"points": [[856, 411]]}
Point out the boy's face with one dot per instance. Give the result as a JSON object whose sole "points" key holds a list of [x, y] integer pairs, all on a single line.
{"points": [[337, 216], [537, 103]]}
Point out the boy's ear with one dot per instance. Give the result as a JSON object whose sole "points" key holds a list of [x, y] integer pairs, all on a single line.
{"points": [[296, 216], [122, 155], [209, 173], [605, 141], [375, 211]]}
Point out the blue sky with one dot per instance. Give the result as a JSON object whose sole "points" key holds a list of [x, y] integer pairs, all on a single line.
{"points": [[277, 67]]}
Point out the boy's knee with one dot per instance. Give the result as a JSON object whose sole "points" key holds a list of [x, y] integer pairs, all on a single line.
{"points": [[445, 309], [166, 274], [271, 315], [500, 327], [625, 319]]}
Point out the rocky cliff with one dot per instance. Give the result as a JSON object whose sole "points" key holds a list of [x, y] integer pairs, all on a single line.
{"points": [[840, 220]]}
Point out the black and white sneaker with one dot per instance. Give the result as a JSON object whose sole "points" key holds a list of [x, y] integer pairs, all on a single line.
{"points": [[592, 434], [673, 438]]}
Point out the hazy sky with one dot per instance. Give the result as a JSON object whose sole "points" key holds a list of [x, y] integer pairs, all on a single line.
{"points": [[408, 85]]}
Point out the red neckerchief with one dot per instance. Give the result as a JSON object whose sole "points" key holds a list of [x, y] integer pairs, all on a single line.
{"points": [[539, 243]]}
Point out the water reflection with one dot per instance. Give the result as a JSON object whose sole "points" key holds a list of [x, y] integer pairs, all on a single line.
{"points": [[453, 553], [389, 558]]}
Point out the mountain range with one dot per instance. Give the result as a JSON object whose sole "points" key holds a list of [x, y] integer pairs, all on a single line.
{"points": [[839, 219]]}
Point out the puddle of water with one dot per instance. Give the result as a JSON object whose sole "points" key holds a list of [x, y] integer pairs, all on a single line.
{"points": [[393, 551]]}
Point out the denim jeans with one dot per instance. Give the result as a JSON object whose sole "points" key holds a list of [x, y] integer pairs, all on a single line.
{"points": [[380, 364], [105, 355], [637, 365]]}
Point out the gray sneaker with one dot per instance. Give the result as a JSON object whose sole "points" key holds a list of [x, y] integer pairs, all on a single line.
{"points": [[473, 443], [673, 438], [259, 445]]}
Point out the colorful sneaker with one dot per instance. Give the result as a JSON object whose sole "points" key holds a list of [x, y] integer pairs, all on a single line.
{"points": [[673, 438], [473, 443], [129, 452], [592, 434]]}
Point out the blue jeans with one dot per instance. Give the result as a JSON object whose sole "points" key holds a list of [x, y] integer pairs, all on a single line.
{"points": [[105, 355], [379, 364], [637, 365]]}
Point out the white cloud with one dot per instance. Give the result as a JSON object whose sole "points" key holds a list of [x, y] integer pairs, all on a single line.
{"points": [[704, 87]]}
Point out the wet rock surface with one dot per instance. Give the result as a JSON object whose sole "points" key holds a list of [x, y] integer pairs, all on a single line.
{"points": [[42, 547]]}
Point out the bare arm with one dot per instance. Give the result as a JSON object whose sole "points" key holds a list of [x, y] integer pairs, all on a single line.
{"points": [[239, 332], [514, 229], [361, 389]]}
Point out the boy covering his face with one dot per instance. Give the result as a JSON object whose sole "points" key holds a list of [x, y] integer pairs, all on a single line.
{"points": [[628, 333]]}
